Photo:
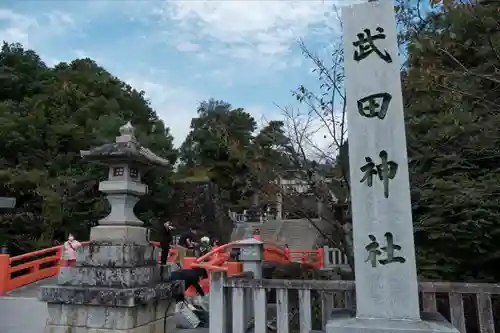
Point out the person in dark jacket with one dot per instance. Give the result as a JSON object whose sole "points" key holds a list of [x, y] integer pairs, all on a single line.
{"points": [[165, 241], [189, 240], [191, 277]]}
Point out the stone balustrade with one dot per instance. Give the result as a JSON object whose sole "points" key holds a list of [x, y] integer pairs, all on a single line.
{"points": [[309, 304]]}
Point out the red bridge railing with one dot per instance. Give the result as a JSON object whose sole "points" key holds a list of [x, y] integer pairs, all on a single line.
{"points": [[30, 267]]}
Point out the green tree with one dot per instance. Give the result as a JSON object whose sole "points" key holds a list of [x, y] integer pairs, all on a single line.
{"points": [[220, 143], [47, 115], [451, 90]]}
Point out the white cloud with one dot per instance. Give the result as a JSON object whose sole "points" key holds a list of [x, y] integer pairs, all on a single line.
{"points": [[259, 23], [60, 20], [15, 27], [260, 32], [175, 105], [187, 46], [32, 29], [258, 112]]}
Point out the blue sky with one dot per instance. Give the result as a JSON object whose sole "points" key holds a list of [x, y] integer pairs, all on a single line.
{"points": [[182, 52]]}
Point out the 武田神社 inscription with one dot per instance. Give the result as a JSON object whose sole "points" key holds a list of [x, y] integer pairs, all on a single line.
{"points": [[386, 170], [366, 45]]}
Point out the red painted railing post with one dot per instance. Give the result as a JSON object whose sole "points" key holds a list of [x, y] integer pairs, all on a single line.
{"points": [[321, 257], [59, 254], [4, 273]]}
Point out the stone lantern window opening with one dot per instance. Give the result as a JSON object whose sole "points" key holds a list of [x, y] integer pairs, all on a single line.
{"points": [[134, 173], [125, 171], [118, 171]]}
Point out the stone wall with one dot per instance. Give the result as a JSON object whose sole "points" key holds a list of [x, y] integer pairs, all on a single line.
{"points": [[198, 203]]}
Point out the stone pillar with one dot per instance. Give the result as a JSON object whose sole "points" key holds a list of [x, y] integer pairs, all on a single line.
{"points": [[251, 255], [115, 285], [387, 298]]}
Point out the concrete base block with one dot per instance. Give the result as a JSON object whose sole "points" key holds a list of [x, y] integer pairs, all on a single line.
{"points": [[164, 272], [120, 234], [107, 254], [158, 326], [150, 318], [431, 322], [116, 277]]}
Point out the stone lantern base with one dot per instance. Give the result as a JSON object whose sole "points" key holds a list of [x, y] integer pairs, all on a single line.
{"points": [[114, 287], [153, 316], [120, 234]]}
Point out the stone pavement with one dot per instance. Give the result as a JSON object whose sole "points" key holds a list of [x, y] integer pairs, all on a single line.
{"points": [[22, 315], [20, 310]]}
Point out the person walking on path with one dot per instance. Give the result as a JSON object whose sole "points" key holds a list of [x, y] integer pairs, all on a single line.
{"points": [[69, 251]]}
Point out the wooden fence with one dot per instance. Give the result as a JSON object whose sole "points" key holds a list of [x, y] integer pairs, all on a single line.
{"points": [[237, 302]]}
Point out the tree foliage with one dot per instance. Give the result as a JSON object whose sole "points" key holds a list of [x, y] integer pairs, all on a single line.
{"points": [[47, 115], [223, 142], [219, 143], [451, 90]]}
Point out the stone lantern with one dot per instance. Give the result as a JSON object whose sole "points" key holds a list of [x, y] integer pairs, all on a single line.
{"points": [[115, 285], [127, 161]]}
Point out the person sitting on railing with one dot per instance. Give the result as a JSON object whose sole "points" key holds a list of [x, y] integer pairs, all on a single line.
{"points": [[69, 251]]}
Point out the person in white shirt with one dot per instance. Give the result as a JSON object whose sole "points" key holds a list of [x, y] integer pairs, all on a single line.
{"points": [[69, 251]]}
